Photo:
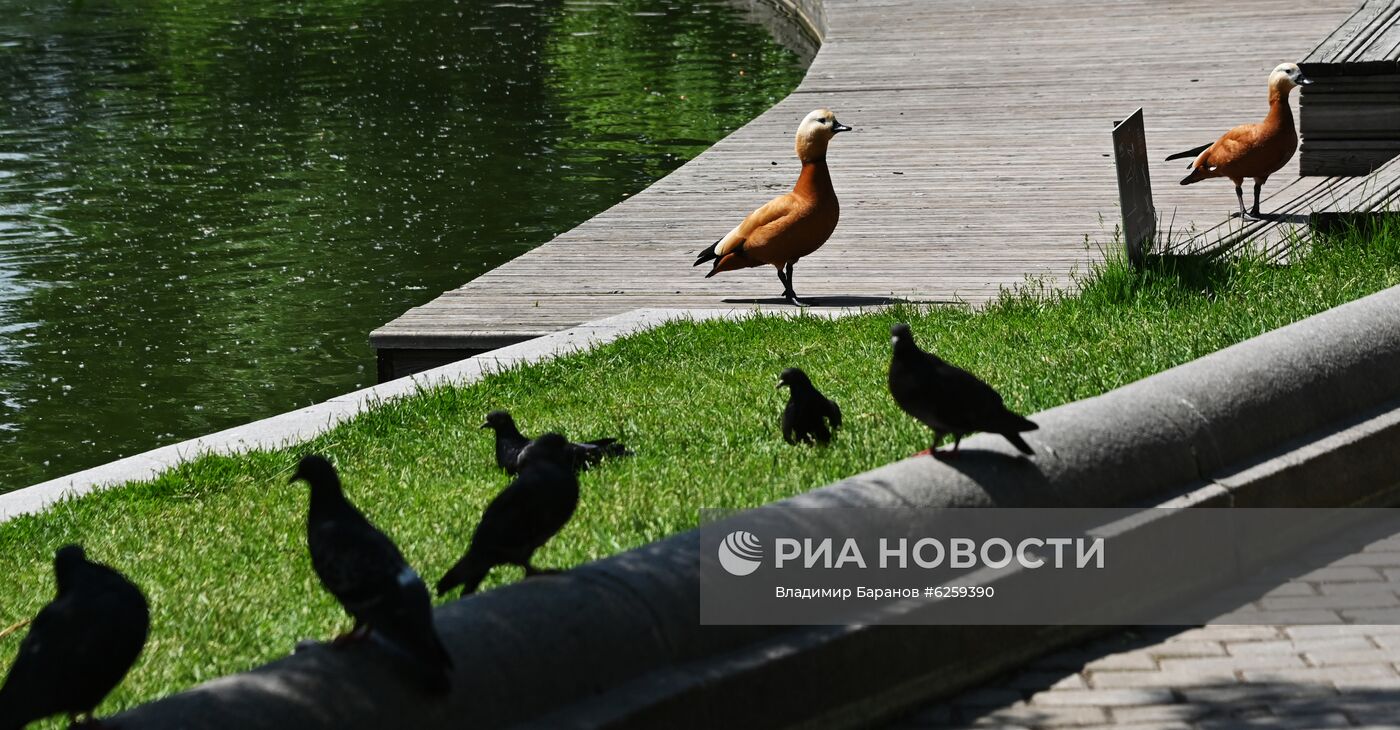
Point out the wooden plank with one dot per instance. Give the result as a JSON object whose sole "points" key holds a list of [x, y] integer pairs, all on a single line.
{"points": [[979, 158]]}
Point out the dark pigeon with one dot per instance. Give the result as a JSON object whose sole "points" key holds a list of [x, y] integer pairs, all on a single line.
{"points": [[79, 647], [948, 399], [368, 575], [509, 442], [809, 415], [536, 506]]}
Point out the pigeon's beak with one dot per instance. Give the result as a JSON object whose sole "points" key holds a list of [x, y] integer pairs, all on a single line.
{"points": [[780, 384], [837, 128], [484, 425]]}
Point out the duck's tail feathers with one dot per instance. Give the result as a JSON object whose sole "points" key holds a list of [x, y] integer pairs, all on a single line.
{"points": [[1189, 153], [708, 254]]}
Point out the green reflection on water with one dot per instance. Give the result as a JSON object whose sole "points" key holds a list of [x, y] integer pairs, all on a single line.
{"points": [[205, 207]]}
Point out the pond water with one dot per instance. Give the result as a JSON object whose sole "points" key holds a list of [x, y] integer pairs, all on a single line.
{"points": [[206, 206]]}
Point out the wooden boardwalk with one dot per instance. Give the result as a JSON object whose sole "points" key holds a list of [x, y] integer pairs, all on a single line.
{"points": [[981, 156]]}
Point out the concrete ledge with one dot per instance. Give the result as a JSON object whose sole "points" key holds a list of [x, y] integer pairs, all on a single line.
{"points": [[1306, 415]]}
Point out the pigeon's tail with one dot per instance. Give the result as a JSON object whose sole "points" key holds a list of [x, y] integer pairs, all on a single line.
{"points": [[430, 663], [590, 453], [11, 716], [1019, 443], [6, 721], [468, 573], [611, 447], [435, 664], [1011, 425], [436, 680]]}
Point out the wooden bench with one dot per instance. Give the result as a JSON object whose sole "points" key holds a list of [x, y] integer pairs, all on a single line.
{"points": [[1350, 115]]}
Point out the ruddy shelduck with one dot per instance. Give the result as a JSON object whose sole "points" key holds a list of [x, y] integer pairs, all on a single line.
{"points": [[1253, 150], [789, 226]]}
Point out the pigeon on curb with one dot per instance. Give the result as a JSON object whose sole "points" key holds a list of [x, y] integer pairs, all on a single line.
{"points": [[509, 442], [947, 398], [79, 646], [536, 505], [808, 412], [368, 575]]}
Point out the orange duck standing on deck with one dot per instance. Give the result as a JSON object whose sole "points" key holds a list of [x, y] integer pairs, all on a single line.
{"points": [[1253, 150], [789, 226]]}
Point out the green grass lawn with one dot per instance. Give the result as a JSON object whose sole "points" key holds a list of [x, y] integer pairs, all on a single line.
{"points": [[219, 545]]}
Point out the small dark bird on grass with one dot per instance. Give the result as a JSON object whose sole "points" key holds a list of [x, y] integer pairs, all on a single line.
{"points": [[808, 412], [509, 442], [536, 505], [79, 647], [368, 575], [948, 399]]}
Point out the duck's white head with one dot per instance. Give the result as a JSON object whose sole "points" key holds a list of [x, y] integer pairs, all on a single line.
{"points": [[1285, 76], [815, 131]]}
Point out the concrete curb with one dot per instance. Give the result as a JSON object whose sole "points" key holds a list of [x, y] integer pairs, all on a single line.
{"points": [[1305, 415]]}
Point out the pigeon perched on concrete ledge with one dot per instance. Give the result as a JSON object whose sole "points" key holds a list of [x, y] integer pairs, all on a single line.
{"points": [[79, 646], [368, 575], [536, 505], [509, 442], [947, 398], [809, 415]]}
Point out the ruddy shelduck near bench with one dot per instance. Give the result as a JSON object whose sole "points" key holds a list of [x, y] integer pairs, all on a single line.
{"points": [[1253, 150], [789, 226]]}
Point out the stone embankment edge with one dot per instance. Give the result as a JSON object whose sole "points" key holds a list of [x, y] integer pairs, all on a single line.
{"points": [[1307, 415]]}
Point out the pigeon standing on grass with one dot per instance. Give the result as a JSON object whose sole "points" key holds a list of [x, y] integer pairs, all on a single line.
{"points": [[947, 398], [368, 575], [522, 517], [808, 412], [79, 647], [509, 442]]}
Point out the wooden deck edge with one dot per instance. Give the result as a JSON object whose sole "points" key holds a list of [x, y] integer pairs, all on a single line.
{"points": [[400, 353], [1295, 210]]}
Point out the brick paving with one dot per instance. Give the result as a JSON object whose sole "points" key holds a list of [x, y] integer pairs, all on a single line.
{"points": [[1316, 659]]}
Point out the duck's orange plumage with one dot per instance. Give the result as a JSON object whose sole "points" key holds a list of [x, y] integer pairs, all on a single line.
{"points": [[1253, 150], [789, 226]]}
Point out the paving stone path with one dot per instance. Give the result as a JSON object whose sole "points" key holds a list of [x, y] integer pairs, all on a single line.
{"points": [[1327, 658]]}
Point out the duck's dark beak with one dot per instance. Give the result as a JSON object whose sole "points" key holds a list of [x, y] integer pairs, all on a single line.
{"points": [[837, 128], [1303, 80]]}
